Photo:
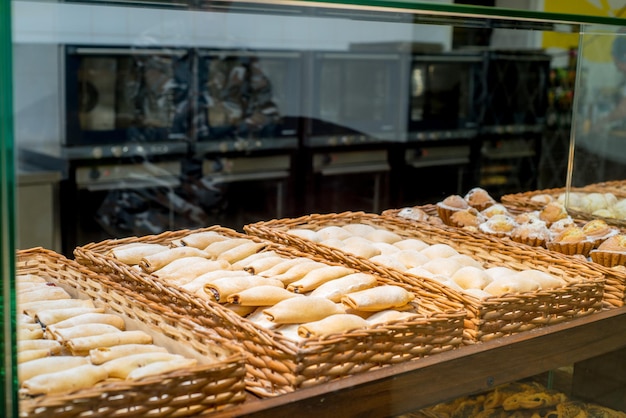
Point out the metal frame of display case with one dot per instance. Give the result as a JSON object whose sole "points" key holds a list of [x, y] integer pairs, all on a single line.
{"points": [[386, 391]]}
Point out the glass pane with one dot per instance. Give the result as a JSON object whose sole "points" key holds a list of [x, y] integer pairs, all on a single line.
{"points": [[8, 379]]}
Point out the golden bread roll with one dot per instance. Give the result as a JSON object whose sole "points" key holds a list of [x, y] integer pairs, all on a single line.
{"points": [[301, 310], [42, 293], [161, 367], [359, 229], [78, 331], [53, 316], [413, 244], [471, 278], [245, 262], [159, 260], [504, 285], [317, 277], [333, 232], [133, 253], [241, 251], [260, 296], [184, 270], [52, 345], [378, 298], [91, 318], [47, 365], [332, 324], [337, 288], [298, 271], [68, 380], [439, 251], [82, 345], [103, 354], [28, 355], [202, 240], [240, 310], [220, 289], [360, 246], [389, 315], [307, 234], [382, 235], [122, 366], [199, 282], [265, 263], [217, 248]]}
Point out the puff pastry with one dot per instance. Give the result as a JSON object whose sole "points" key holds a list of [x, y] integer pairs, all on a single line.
{"points": [[133, 253], [301, 310], [68, 380], [159, 260], [220, 289], [47, 365], [337, 288], [318, 277], [332, 324], [260, 296], [378, 298], [82, 345]]}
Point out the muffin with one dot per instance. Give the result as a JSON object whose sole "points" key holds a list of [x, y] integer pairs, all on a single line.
{"points": [[571, 241], [535, 232], [561, 225], [479, 198], [497, 209], [611, 252], [449, 205], [553, 212], [598, 231], [469, 217], [498, 225]]}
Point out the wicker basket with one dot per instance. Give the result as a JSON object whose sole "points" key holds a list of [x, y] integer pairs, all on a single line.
{"points": [[615, 284], [275, 363], [199, 390], [617, 187], [489, 318]]}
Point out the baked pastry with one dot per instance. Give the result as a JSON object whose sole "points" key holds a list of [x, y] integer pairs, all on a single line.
{"points": [[498, 225], [598, 230], [571, 241], [611, 252], [553, 212], [493, 210], [469, 217], [535, 232], [479, 198], [449, 205], [414, 214]]}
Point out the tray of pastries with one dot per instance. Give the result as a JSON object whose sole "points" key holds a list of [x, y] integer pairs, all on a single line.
{"points": [[550, 226], [87, 347], [301, 319], [505, 288]]}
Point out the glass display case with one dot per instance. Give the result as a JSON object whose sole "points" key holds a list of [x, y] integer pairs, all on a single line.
{"points": [[151, 116]]}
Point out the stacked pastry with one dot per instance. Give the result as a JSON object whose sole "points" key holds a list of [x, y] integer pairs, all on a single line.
{"points": [[66, 344], [438, 261], [296, 296]]}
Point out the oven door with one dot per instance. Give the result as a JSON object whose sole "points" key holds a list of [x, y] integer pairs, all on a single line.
{"points": [[117, 95], [445, 95]]}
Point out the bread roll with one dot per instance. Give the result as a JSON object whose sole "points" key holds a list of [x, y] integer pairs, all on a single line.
{"points": [[504, 285], [220, 289], [159, 260], [439, 251], [161, 367], [337, 288], [52, 345], [361, 247], [122, 366], [471, 278], [33, 308], [243, 263], [103, 354], [47, 365], [333, 324], [389, 261], [217, 248], [283, 266], [301, 310], [545, 280], [389, 315], [241, 251], [378, 298], [260, 296], [42, 293], [382, 235], [359, 229], [443, 266], [185, 269], [200, 281], [82, 345], [333, 232], [68, 380], [411, 244], [410, 258], [53, 316], [82, 330], [133, 253], [318, 277], [90, 318], [386, 249], [306, 234], [28, 355], [298, 271], [202, 239]]}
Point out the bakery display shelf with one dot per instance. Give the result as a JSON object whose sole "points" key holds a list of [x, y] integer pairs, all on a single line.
{"points": [[470, 369]]}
